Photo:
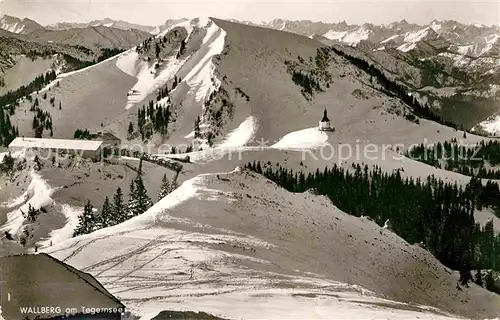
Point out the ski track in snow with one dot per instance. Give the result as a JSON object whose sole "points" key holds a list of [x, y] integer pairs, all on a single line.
{"points": [[153, 268]]}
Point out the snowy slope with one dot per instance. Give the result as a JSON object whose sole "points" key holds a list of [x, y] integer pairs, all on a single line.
{"points": [[18, 26], [167, 258], [351, 37], [201, 78], [304, 139], [66, 232], [37, 195]]}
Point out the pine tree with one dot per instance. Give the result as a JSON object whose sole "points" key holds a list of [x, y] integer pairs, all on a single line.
{"points": [[86, 221], [132, 201], [141, 199], [118, 213], [106, 217], [165, 188]]}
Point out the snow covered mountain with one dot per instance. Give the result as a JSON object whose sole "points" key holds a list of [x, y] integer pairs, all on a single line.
{"points": [[91, 37], [19, 26], [476, 40], [211, 95], [107, 22]]}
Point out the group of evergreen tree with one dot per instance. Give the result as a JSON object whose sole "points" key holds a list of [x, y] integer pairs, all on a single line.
{"points": [[7, 164], [467, 160], [486, 281], [107, 53], [167, 187], [42, 120], [37, 84], [154, 117], [8, 131], [392, 88], [437, 215], [82, 134], [116, 211], [306, 81]]}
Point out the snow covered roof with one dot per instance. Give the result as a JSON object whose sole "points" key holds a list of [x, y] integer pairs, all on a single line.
{"points": [[56, 144]]}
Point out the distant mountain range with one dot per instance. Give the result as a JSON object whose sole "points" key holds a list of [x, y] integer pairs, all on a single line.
{"points": [[445, 63], [470, 40]]}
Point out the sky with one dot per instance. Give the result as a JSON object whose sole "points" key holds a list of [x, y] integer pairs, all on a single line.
{"points": [[154, 12]]}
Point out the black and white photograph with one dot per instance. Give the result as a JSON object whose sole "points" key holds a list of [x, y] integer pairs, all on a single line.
{"points": [[249, 159]]}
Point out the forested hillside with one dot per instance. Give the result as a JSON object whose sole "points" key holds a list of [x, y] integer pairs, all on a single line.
{"points": [[436, 215]]}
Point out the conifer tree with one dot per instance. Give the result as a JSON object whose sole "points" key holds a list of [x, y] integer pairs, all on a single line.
{"points": [[132, 201], [118, 209], [165, 188], [141, 201], [106, 216], [86, 221], [197, 127]]}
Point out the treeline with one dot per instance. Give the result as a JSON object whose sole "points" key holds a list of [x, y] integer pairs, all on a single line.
{"points": [[116, 210], [471, 161], [37, 84], [393, 88], [107, 53], [306, 81], [437, 215]]}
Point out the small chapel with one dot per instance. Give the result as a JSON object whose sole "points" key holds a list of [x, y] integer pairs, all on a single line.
{"points": [[324, 124]]}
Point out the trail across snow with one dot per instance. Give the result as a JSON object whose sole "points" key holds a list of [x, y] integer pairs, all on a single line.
{"points": [[152, 267]]}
